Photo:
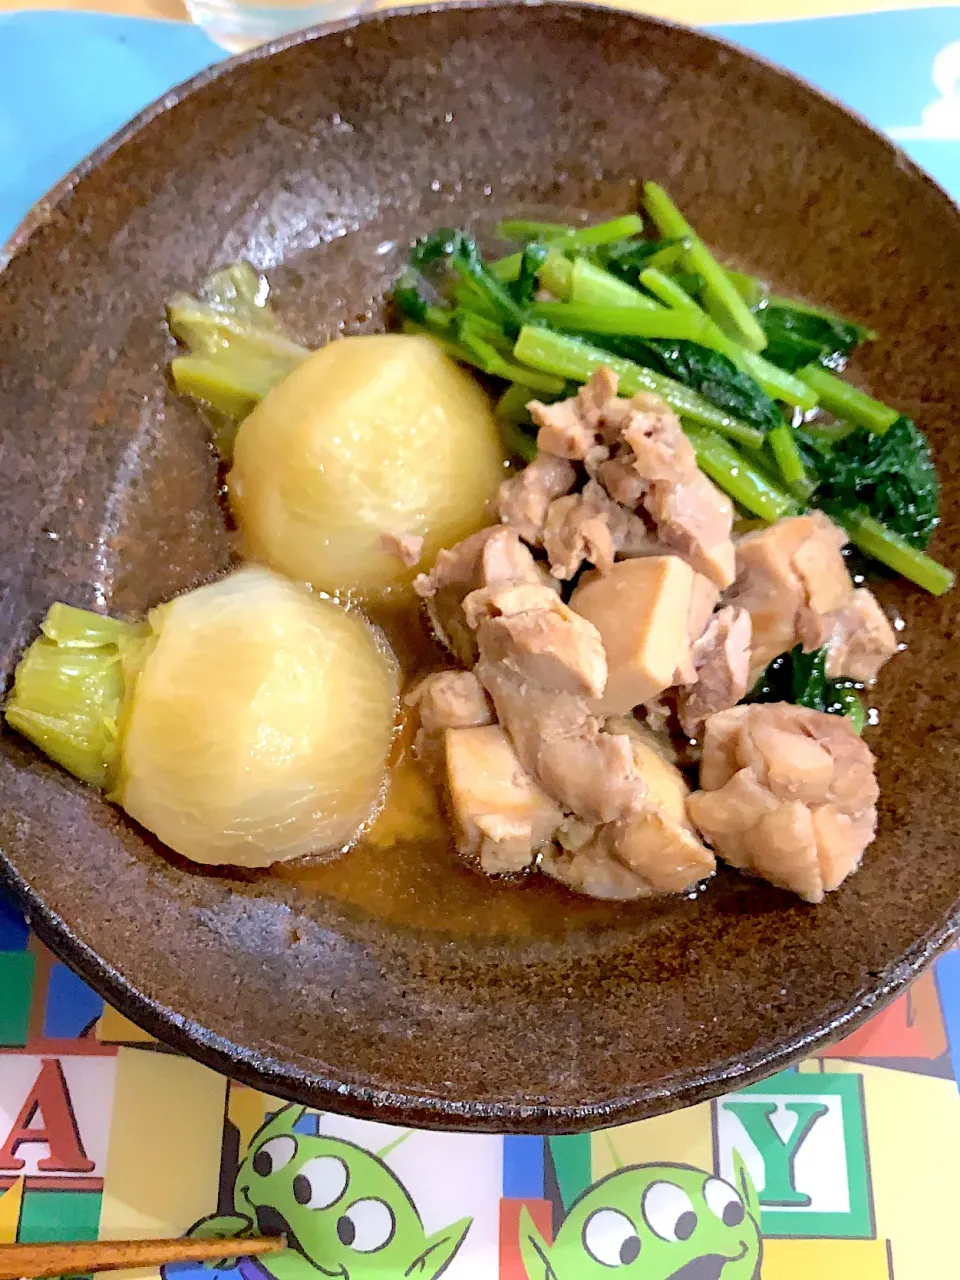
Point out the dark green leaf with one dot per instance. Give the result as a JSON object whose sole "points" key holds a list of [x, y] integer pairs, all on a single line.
{"points": [[626, 259], [797, 336], [892, 477], [801, 678], [408, 299], [525, 285], [707, 372], [434, 247]]}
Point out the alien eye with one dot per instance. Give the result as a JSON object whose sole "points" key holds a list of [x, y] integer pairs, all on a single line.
{"points": [[273, 1155], [611, 1238], [669, 1211], [320, 1182], [723, 1202], [367, 1226]]}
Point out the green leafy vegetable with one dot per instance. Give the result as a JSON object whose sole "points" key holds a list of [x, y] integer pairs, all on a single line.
{"points": [[531, 262], [710, 374], [461, 253], [798, 335], [891, 477], [801, 678], [237, 351]]}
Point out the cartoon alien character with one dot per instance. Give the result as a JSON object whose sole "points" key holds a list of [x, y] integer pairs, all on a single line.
{"points": [[343, 1211], [653, 1222]]}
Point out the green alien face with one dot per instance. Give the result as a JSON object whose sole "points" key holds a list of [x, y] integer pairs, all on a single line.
{"points": [[652, 1222], [343, 1211]]}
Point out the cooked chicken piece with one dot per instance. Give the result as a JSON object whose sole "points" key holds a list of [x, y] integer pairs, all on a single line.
{"points": [[560, 742], [525, 498], [588, 526], [595, 459], [406, 546], [694, 519], [543, 640], [721, 662], [655, 841], [503, 818], [661, 452], [859, 637], [450, 700], [592, 871], [493, 555], [788, 576], [703, 600], [568, 429], [621, 481], [786, 793], [641, 610]]}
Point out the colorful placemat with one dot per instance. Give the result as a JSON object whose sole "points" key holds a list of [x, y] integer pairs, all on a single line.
{"points": [[845, 1168]]}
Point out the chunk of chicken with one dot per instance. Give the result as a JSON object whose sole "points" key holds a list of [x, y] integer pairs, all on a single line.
{"points": [[695, 519], [593, 872], [621, 480], [450, 700], [588, 526], [788, 576], [503, 818], [525, 498], [655, 842], [641, 610], [721, 662], [542, 639], [787, 794], [493, 555], [559, 741], [859, 638], [660, 451], [568, 429]]}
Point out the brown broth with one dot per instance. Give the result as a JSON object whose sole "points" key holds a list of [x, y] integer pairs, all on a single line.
{"points": [[405, 870]]}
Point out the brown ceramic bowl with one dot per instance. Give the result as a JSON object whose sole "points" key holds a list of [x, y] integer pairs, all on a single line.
{"points": [[433, 998]]}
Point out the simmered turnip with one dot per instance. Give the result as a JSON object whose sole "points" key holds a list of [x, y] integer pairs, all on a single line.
{"points": [[369, 441], [249, 722]]}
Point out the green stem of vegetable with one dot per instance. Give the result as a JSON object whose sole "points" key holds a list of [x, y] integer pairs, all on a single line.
{"points": [[230, 383], [777, 383], [467, 297], [592, 286], [896, 553], [512, 405], [672, 223], [667, 290], [622, 228], [556, 275], [830, 433], [783, 445], [523, 230], [620, 321], [69, 689], [516, 425], [508, 268], [468, 325], [738, 477], [572, 358], [844, 400], [750, 289]]}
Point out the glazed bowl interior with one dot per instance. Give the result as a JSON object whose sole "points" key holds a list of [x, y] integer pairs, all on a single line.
{"points": [[415, 992]]}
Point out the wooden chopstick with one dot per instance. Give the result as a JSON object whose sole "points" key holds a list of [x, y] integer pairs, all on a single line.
{"points": [[36, 1261]]}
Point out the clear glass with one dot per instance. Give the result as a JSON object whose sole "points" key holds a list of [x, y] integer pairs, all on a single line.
{"points": [[238, 25]]}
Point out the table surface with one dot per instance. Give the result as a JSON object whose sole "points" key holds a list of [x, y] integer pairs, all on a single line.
{"points": [[856, 1152]]}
